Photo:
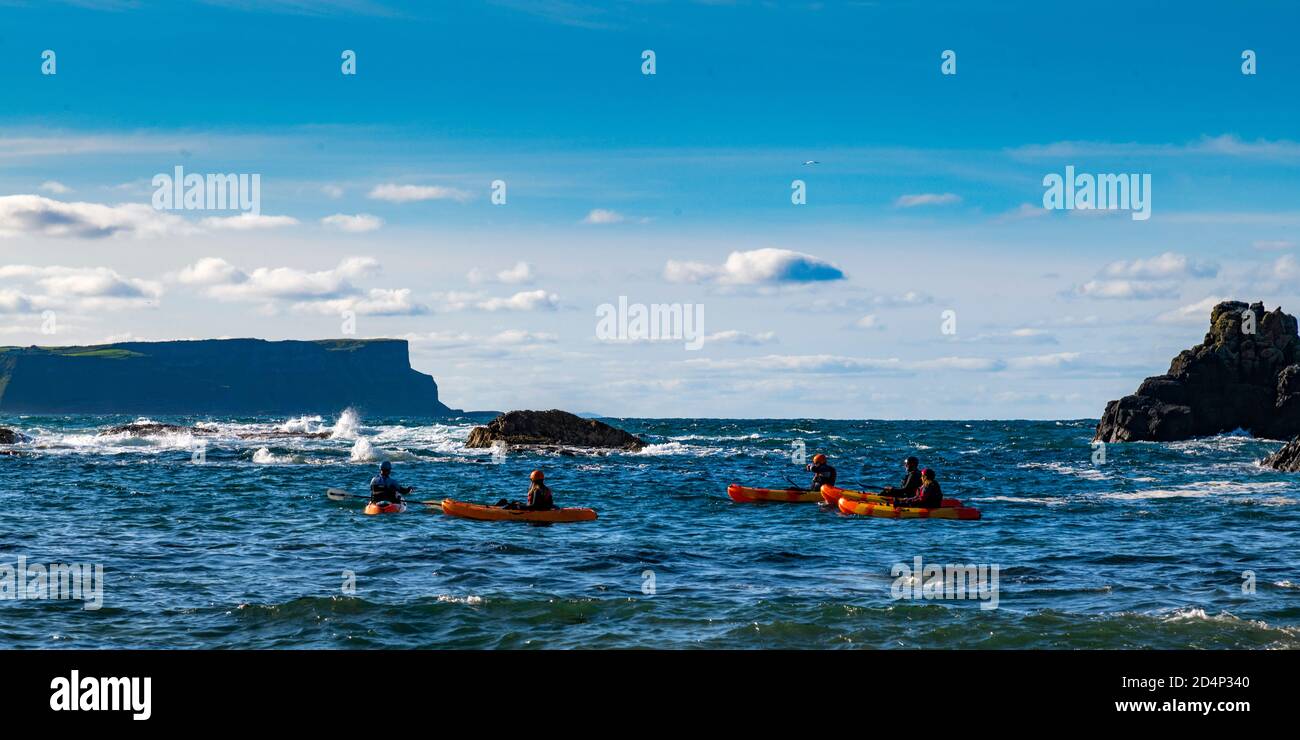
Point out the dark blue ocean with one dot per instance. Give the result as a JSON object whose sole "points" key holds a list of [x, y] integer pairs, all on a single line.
{"points": [[1182, 545]]}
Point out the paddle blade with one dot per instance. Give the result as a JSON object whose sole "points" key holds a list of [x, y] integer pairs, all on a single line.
{"points": [[336, 494]]}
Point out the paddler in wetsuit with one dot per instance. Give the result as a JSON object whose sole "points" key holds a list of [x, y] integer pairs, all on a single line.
{"points": [[911, 481], [539, 495], [384, 488], [928, 496], [823, 474]]}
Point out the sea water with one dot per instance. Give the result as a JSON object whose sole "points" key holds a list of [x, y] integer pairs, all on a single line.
{"points": [[1178, 545]]}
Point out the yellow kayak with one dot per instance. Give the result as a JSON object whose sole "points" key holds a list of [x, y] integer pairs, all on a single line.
{"points": [[744, 495], [885, 511], [833, 496]]}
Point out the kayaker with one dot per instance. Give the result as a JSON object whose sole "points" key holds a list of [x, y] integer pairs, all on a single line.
{"points": [[823, 474], [539, 495], [911, 481], [928, 496], [385, 488]]}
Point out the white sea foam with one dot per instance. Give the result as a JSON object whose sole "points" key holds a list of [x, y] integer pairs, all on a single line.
{"points": [[348, 425], [675, 448], [1203, 490], [470, 600], [302, 425], [263, 456], [1077, 471], [363, 451]]}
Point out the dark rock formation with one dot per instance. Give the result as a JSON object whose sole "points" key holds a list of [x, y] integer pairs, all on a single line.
{"points": [[219, 377], [1287, 458], [282, 435], [11, 437], [1233, 379], [551, 428], [150, 429]]}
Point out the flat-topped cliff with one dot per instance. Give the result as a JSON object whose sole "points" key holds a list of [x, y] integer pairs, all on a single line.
{"points": [[218, 376]]}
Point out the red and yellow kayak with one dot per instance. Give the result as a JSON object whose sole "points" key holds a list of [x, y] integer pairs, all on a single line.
{"points": [[386, 508], [497, 514], [866, 508], [832, 495], [744, 495]]}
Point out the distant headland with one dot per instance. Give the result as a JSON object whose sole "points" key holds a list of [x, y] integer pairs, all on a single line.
{"points": [[218, 376]]}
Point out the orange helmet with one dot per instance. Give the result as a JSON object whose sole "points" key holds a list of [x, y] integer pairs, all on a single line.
{"points": [[536, 476], [818, 459]]}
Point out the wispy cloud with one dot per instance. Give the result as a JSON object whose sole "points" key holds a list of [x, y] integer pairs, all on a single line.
{"points": [[394, 193], [926, 199]]}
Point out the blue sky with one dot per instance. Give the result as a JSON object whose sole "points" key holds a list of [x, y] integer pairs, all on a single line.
{"points": [[926, 196]]}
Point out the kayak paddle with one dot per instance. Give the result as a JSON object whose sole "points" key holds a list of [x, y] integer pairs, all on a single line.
{"points": [[336, 494]]}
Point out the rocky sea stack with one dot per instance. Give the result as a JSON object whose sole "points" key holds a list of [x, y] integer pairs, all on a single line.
{"points": [[1243, 375], [1286, 459], [552, 428]]}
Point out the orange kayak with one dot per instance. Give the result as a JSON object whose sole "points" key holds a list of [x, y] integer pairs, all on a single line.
{"points": [[744, 495], [866, 508], [833, 496], [497, 514], [373, 508]]}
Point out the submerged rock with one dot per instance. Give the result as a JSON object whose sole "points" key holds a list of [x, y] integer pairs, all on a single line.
{"points": [[282, 435], [1243, 375], [551, 428], [152, 428], [11, 437], [1286, 459]]}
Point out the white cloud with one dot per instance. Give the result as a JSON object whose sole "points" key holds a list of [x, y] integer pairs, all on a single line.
{"points": [[600, 216], [1055, 361], [528, 300], [40, 216], [968, 364], [1023, 212], [1138, 290], [766, 266], [1145, 279], [521, 273], [360, 223], [870, 321], [910, 298], [1224, 145], [1194, 313], [394, 193], [56, 187], [733, 336], [332, 191], [374, 302], [247, 222], [226, 282], [1274, 245], [521, 337], [1162, 267], [926, 199], [802, 363], [76, 288]]}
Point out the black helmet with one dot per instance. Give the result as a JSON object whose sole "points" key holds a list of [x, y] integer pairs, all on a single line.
{"points": [[385, 467], [911, 461]]}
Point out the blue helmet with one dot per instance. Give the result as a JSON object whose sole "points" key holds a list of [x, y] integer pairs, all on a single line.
{"points": [[385, 467]]}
